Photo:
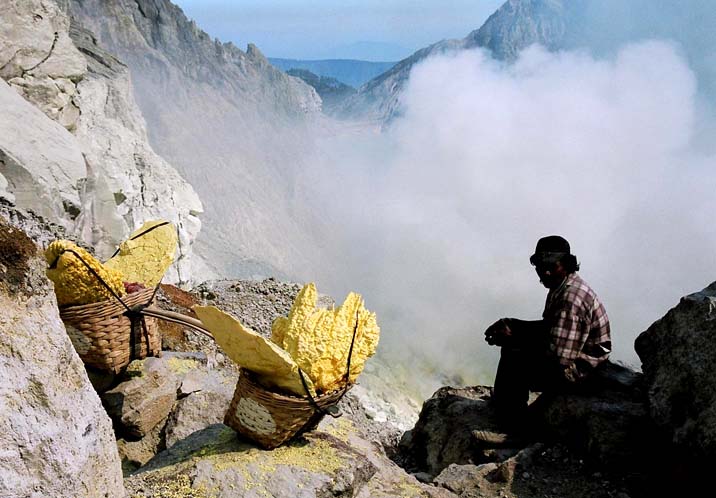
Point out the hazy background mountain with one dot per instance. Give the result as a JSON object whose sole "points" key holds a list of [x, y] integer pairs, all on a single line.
{"points": [[349, 71], [601, 27]]}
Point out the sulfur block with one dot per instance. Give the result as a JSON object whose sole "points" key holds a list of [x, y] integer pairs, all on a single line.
{"points": [[74, 282], [147, 254], [250, 350]]}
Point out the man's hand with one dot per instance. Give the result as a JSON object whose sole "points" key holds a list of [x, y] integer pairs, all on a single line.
{"points": [[498, 333]]}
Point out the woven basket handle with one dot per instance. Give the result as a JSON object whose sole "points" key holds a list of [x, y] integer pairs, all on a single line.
{"points": [[171, 316]]}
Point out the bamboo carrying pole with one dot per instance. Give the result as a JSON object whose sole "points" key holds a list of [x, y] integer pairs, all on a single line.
{"points": [[171, 316]]}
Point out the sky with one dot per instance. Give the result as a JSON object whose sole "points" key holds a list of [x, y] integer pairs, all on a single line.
{"points": [[372, 30]]}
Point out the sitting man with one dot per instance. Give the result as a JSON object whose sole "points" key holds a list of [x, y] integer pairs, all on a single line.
{"points": [[555, 354]]}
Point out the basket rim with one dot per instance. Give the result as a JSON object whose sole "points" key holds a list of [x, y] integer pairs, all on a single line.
{"points": [[132, 296], [251, 378]]}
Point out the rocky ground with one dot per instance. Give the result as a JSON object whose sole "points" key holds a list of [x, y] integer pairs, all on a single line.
{"points": [[547, 469]]}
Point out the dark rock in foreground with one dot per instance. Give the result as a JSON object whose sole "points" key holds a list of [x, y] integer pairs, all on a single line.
{"points": [[678, 353]]}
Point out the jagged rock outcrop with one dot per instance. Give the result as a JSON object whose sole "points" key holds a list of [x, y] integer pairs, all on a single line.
{"points": [[331, 90], [520, 23], [89, 166], [44, 179], [38, 58], [236, 127], [56, 439], [678, 354]]}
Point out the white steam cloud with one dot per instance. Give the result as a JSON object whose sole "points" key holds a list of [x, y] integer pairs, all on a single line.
{"points": [[439, 215]]}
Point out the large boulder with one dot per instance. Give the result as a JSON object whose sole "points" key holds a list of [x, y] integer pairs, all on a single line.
{"points": [[442, 435], [678, 354], [214, 459], [150, 388], [610, 423], [56, 439], [607, 422], [334, 461], [160, 401]]}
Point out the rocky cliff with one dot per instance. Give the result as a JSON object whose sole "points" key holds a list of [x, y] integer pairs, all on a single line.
{"points": [[73, 144], [56, 438], [235, 126]]}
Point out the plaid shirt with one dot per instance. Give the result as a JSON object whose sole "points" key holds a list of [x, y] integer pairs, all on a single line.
{"points": [[579, 327]]}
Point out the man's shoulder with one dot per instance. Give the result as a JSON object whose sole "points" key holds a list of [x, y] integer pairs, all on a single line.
{"points": [[578, 291]]}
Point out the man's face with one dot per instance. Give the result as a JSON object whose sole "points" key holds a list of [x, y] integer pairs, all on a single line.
{"points": [[550, 274]]}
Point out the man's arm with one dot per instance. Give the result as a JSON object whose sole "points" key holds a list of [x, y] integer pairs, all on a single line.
{"points": [[507, 330]]}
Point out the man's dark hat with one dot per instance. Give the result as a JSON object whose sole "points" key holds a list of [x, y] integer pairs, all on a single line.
{"points": [[550, 249]]}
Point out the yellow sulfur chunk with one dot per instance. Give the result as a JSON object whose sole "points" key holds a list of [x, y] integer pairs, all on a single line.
{"points": [[319, 340], [278, 330], [252, 352], [147, 257], [74, 283]]}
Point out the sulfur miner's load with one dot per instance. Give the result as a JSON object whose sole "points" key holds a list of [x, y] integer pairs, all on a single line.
{"points": [[74, 282], [140, 263], [147, 254], [318, 341]]}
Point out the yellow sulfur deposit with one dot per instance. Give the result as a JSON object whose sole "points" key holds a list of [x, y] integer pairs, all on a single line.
{"points": [[147, 254], [319, 340], [74, 283], [251, 351]]}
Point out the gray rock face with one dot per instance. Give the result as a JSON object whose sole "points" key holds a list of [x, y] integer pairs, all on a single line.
{"points": [[611, 424], [235, 126], [44, 179], [214, 459], [678, 355], [93, 172], [56, 438], [442, 435], [197, 411], [38, 58], [521, 23]]}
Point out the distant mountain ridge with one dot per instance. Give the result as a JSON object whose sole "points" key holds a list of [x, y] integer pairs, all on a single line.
{"points": [[514, 26], [351, 72], [601, 26]]}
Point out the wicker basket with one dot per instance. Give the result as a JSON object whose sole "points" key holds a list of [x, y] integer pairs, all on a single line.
{"points": [[102, 334], [270, 419]]}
